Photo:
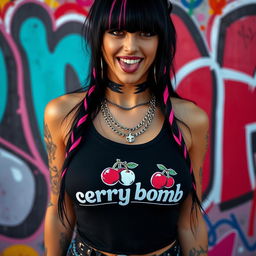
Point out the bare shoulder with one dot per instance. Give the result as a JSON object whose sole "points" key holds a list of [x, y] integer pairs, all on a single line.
{"points": [[193, 116], [57, 109]]}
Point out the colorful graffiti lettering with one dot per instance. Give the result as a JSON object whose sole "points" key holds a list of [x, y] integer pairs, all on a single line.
{"points": [[215, 65]]}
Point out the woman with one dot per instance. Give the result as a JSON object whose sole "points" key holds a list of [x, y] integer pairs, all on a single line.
{"points": [[126, 155]]}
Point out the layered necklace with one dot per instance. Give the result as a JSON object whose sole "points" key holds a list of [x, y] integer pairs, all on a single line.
{"points": [[129, 133]]}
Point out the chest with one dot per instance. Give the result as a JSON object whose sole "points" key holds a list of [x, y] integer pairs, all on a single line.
{"points": [[106, 172]]}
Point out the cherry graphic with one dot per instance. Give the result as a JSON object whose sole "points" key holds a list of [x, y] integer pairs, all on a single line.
{"points": [[170, 182], [121, 169], [127, 177], [110, 176], [163, 179], [158, 180], [119, 172]]}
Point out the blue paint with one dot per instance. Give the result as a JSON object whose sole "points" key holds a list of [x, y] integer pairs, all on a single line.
{"points": [[191, 4], [3, 85], [231, 223], [47, 69]]}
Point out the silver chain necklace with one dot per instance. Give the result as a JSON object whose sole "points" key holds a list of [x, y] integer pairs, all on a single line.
{"points": [[129, 133]]}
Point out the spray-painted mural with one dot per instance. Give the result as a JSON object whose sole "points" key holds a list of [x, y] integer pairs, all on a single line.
{"points": [[41, 48]]}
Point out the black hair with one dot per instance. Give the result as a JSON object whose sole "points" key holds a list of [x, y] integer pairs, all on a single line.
{"points": [[130, 15]]}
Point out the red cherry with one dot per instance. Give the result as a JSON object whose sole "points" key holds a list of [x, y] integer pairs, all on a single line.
{"points": [[120, 170], [110, 176], [170, 182], [158, 180]]}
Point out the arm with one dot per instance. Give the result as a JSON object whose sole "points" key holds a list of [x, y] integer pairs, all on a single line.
{"points": [[195, 244], [56, 236]]}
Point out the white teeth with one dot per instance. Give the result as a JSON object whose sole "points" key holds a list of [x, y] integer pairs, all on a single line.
{"points": [[130, 62]]}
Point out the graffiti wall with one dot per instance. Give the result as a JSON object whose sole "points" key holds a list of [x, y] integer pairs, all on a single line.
{"points": [[42, 56]]}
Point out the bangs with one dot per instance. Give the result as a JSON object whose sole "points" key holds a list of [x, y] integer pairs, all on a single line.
{"points": [[132, 16]]}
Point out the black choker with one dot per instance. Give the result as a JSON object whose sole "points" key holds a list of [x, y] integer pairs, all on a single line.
{"points": [[118, 87]]}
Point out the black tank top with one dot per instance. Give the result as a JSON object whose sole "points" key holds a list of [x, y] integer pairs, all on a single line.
{"points": [[127, 197]]}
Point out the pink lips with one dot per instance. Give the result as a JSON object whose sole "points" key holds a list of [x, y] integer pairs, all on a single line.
{"points": [[128, 67]]}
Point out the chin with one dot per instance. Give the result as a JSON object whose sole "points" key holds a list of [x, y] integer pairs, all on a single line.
{"points": [[131, 79]]}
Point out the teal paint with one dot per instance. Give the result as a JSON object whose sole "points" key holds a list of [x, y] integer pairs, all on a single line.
{"points": [[47, 69], [3, 85]]}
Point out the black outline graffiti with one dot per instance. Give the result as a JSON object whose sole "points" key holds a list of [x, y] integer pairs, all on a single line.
{"points": [[198, 39], [226, 22]]}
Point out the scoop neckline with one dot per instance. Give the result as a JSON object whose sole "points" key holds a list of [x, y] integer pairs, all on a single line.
{"points": [[112, 143]]}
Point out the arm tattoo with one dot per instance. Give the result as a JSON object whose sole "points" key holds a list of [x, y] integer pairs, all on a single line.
{"points": [[51, 150], [64, 243], [54, 179], [50, 146], [197, 252]]}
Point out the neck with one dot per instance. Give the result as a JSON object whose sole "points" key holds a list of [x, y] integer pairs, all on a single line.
{"points": [[128, 95]]}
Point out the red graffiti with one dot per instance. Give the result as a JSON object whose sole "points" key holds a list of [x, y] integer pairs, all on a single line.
{"points": [[86, 3], [69, 8], [226, 245], [217, 5]]}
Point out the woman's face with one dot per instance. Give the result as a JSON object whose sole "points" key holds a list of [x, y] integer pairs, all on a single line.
{"points": [[129, 55]]}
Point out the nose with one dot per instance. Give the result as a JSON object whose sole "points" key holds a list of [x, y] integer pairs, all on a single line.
{"points": [[130, 43]]}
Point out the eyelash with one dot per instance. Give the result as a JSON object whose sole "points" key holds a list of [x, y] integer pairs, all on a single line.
{"points": [[144, 34]]}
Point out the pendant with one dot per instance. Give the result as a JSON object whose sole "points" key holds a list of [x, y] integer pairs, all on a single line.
{"points": [[130, 138]]}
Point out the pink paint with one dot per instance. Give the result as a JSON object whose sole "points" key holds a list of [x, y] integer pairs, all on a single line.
{"points": [[75, 144], [36, 158], [22, 105], [200, 17], [21, 91], [82, 120], [19, 152]]}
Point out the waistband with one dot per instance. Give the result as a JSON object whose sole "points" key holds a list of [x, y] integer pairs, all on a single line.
{"points": [[79, 248]]}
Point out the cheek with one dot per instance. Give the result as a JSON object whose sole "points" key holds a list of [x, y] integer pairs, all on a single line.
{"points": [[152, 50], [110, 48]]}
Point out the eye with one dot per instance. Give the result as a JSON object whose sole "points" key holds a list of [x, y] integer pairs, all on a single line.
{"points": [[116, 32], [147, 34]]}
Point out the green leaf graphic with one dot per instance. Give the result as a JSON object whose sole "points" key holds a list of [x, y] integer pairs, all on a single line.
{"points": [[132, 165], [161, 167], [172, 172]]}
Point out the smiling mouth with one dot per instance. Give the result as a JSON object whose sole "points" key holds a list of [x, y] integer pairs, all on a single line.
{"points": [[129, 65]]}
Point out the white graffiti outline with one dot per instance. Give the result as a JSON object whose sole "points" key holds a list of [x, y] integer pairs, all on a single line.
{"points": [[222, 74], [250, 128]]}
